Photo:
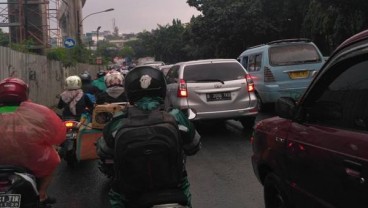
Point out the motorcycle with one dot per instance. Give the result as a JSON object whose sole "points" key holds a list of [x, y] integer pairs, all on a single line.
{"points": [[18, 188], [68, 148]]}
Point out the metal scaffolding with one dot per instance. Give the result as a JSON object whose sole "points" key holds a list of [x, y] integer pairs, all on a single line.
{"points": [[31, 20]]}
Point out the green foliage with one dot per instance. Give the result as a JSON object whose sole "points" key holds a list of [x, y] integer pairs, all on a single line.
{"points": [[24, 47], [226, 28], [63, 55], [4, 38], [126, 51], [107, 50], [329, 22], [166, 43], [71, 56]]}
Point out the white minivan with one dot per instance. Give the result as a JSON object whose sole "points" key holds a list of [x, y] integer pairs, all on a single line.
{"points": [[215, 89], [282, 68]]}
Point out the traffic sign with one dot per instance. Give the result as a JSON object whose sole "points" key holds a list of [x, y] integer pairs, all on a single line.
{"points": [[69, 43]]}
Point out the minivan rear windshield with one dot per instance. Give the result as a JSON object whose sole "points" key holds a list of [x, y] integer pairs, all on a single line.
{"points": [[213, 71], [293, 54]]}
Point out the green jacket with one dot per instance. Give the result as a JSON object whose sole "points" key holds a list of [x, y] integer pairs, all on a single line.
{"points": [[100, 83], [191, 138], [191, 143]]}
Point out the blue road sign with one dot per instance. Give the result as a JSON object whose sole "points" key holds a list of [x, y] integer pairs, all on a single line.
{"points": [[69, 43]]}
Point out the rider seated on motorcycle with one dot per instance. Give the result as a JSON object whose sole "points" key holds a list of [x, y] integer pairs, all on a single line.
{"points": [[115, 89], [88, 88], [28, 133], [149, 99], [99, 82], [73, 100]]}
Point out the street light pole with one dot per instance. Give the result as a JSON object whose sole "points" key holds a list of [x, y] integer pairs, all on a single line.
{"points": [[80, 23]]}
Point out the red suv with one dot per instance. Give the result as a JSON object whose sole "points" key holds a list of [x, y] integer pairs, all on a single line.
{"points": [[314, 153]]}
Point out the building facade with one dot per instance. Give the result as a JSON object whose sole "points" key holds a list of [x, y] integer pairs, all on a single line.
{"points": [[69, 17]]}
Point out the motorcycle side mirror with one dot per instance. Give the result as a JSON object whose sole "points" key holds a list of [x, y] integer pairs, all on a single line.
{"points": [[191, 114]]}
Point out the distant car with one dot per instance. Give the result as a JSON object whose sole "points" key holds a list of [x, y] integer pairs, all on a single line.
{"points": [[214, 89], [281, 68], [156, 64], [314, 153]]}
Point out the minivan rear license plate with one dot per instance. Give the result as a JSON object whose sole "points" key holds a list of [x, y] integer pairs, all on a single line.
{"points": [[218, 96], [299, 74], [10, 200]]}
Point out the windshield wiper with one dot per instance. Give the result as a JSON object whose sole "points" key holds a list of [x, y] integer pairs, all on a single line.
{"points": [[210, 80]]}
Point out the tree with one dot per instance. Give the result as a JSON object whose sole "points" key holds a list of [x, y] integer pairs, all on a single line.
{"points": [[4, 38], [329, 22], [126, 51], [107, 50]]}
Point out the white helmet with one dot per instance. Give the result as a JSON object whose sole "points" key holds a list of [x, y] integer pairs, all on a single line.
{"points": [[114, 79], [73, 83]]}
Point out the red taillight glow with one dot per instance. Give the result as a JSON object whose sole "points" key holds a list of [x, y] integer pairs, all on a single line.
{"points": [[250, 83], [182, 89]]}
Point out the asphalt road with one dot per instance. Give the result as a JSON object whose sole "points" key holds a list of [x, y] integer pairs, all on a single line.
{"points": [[221, 175]]}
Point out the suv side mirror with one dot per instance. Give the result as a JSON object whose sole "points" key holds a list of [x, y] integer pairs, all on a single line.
{"points": [[285, 107]]}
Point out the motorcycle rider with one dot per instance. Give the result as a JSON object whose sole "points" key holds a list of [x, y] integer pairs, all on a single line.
{"points": [[88, 88], [28, 132], [115, 89], [99, 82], [73, 100], [149, 99]]}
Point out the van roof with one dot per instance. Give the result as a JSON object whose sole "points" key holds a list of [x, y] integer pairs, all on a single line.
{"points": [[281, 41]]}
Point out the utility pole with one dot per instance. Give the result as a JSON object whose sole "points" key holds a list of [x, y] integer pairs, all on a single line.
{"points": [[98, 30]]}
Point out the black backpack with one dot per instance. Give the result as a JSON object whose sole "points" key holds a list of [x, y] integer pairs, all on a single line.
{"points": [[148, 152]]}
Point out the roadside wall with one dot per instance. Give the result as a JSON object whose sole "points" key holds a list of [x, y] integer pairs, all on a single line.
{"points": [[45, 77]]}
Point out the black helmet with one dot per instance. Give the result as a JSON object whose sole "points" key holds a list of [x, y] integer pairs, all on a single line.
{"points": [[101, 73], [85, 77], [144, 81]]}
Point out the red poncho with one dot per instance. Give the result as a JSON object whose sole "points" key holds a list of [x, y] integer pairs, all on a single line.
{"points": [[27, 137]]}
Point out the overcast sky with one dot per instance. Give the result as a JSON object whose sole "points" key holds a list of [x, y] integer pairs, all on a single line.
{"points": [[133, 16]]}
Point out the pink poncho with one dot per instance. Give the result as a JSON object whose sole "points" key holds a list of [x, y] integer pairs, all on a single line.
{"points": [[27, 137]]}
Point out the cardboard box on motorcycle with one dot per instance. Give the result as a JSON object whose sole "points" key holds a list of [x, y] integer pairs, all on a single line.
{"points": [[91, 129]]}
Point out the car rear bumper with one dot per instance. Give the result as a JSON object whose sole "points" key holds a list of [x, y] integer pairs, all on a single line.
{"points": [[228, 114], [271, 94]]}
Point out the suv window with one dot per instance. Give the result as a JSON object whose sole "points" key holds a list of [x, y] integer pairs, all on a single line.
{"points": [[344, 101], [293, 54], [244, 61], [214, 71], [254, 62], [172, 75]]}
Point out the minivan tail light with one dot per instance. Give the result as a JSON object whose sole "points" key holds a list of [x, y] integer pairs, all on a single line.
{"points": [[250, 83], [268, 76], [182, 89]]}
